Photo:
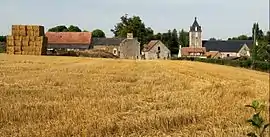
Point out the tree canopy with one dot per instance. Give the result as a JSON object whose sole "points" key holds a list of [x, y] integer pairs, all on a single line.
{"points": [[2, 38], [183, 38], [63, 28], [133, 25], [98, 33]]}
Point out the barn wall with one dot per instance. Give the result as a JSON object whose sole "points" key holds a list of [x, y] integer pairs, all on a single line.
{"points": [[130, 49]]}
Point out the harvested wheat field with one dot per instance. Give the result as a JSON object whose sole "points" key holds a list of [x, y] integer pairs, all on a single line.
{"points": [[70, 96]]}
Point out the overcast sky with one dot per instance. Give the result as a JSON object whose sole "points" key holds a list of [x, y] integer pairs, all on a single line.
{"points": [[218, 18]]}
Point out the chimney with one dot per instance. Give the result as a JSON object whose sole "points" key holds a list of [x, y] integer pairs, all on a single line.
{"points": [[129, 35]]}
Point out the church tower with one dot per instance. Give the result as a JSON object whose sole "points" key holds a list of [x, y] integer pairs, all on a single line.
{"points": [[195, 35]]}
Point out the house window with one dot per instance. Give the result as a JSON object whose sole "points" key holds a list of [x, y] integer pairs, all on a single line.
{"points": [[158, 49], [195, 28], [228, 55]]}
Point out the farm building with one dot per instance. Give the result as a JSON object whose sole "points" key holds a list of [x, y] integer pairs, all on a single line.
{"points": [[155, 49], [125, 48], [68, 40]]}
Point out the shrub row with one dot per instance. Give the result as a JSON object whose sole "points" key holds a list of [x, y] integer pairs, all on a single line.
{"points": [[247, 63]]}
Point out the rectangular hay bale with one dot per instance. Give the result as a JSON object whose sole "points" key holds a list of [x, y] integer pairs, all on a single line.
{"points": [[17, 49], [10, 50], [18, 43], [18, 53], [32, 38], [25, 43], [32, 43], [17, 37]]}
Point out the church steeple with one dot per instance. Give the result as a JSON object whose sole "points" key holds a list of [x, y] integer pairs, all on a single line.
{"points": [[195, 26], [195, 35]]}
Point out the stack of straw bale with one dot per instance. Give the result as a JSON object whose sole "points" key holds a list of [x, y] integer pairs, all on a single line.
{"points": [[27, 40]]}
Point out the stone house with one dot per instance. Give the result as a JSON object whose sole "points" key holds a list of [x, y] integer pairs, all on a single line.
{"points": [[125, 48], [155, 49], [68, 40]]}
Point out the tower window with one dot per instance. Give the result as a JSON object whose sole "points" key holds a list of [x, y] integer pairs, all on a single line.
{"points": [[195, 28]]}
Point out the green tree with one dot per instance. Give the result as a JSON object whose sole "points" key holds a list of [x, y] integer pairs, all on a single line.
{"points": [[133, 25], [63, 28], [261, 48], [98, 33], [184, 38], [72, 28], [60, 28], [2, 38], [243, 37], [174, 42]]}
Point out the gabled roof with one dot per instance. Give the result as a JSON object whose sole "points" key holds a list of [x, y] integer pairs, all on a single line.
{"points": [[196, 25], [226, 46], [106, 41], [150, 45], [69, 37]]}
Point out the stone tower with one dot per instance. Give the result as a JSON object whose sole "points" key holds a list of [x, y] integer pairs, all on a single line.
{"points": [[195, 35]]}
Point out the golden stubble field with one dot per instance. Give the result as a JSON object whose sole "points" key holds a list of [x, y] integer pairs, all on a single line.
{"points": [[69, 96]]}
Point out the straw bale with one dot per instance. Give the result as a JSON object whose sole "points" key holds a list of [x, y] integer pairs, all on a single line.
{"points": [[39, 38], [25, 43], [15, 27], [10, 49], [31, 43], [30, 33], [10, 37], [23, 33], [32, 38], [10, 42], [18, 53], [22, 27], [25, 48], [18, 43], [18, 37], [17, 49], [29, 27], [26, 38]]}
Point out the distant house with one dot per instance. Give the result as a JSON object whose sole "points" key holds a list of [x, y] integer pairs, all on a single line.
{"points": [[68, 40], [231, 48], [155, 49], [125, 48]]}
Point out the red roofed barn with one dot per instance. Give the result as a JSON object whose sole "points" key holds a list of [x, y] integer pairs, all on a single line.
{"points": [[68, 40]]}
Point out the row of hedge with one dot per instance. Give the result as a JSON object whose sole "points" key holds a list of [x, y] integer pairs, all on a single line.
{"points": [[246, 63]]}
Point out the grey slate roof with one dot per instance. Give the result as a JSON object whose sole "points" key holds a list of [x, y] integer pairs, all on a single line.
{"points": [[226, 46], [194, 25], [106, 41]]}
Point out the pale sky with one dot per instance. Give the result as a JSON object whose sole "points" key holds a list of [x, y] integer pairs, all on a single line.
{"points": [[218, 18]]}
